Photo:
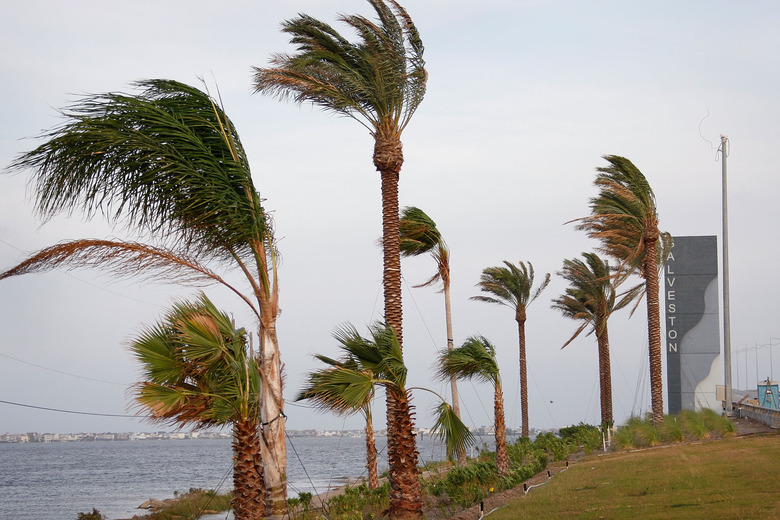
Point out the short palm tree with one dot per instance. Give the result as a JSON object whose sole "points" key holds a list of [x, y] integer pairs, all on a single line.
{"points": [[592, 298], [510, 285], [379, 81], [324, 385], [476, 359], [197, 370], [167, 164], [419, 235], [624, 219], [348, 385]]}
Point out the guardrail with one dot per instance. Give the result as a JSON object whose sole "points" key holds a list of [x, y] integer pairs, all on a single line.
{"points": [[765, 415]]}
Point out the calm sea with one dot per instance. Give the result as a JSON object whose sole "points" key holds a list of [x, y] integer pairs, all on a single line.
{"points": [[56, 481]]}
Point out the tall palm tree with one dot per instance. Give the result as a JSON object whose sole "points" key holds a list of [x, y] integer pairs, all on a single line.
{"points": [[348, 384], [624, 219], [197, 371], [167, 163], [379, 81], [510, 285], [592, 298], [476, 359], [419, 235]]}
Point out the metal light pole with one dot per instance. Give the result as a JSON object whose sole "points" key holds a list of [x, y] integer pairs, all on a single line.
{"points": [[724, 139]]}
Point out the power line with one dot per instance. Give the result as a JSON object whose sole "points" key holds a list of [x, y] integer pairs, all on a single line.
{"points": [[72, 411], [61, 372]]}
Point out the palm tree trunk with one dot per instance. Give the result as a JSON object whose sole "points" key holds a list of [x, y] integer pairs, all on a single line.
{"points": [[502, 459], [373, 477], [248, 486], [273, 446], [523, 378], [605, 373], [650, 269], [405, 489], [461, 453]]}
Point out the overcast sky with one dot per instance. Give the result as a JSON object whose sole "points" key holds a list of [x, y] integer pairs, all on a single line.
{"points": [[524, 98]]}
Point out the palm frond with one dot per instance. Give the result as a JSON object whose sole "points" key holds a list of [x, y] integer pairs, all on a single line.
{"points": [[196, 368], [124, 260], [379, 80], [510, 285], [166, 160], [475, 359], [448, 427]]}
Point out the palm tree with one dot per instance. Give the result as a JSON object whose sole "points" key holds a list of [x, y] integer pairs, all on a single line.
{"points": [[167, 163], [419, 235], [378, 81], [322, 385], [348, 385], [476, 359], [197, 371], [511, 285], [625, 220], [591, 298]]}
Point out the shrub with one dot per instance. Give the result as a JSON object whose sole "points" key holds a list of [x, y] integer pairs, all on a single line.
{"points": [[585, 436], [671, 431], [693, 425], [553, 444], [94, 515], [717, 423]]}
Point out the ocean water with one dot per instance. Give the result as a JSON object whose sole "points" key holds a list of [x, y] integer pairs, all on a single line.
{"points": [[56, 481]]}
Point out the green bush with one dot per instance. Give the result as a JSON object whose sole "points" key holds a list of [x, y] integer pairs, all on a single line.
{"points": [[718, 423], [693, 425], [190, 505], [553, 444], [94, 515], [359, 502], [671, 430], [585, 436]]}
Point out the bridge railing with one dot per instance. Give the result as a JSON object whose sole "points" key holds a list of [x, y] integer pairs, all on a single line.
{"points": [[765, 415]]}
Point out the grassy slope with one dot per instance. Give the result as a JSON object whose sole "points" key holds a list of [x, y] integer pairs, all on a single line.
{"points": [[730, 478]]}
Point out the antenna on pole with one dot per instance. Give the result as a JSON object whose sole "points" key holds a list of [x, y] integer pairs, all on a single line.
{"points": [[724, 139]]}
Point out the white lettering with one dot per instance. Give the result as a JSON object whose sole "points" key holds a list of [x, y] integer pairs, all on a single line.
{"points": [[670, 281], [670, 296], [672, 334], [672, 346], [670, 257], [669, 270], [671, 308], [671, 320]]}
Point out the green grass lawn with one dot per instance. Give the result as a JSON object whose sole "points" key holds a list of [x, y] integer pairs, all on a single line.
{"points": [[732, 478]]}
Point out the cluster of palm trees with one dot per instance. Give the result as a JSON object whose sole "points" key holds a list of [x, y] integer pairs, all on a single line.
{"points": [[168, 165]]}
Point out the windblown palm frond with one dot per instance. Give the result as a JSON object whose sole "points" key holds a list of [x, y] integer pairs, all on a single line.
{"points": [[475, 359], [196, 368], [167, 161], [124, 260], [419, 235], [379, 81], [510, 285], [448, 427], [591, 293], [623, 216]]}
